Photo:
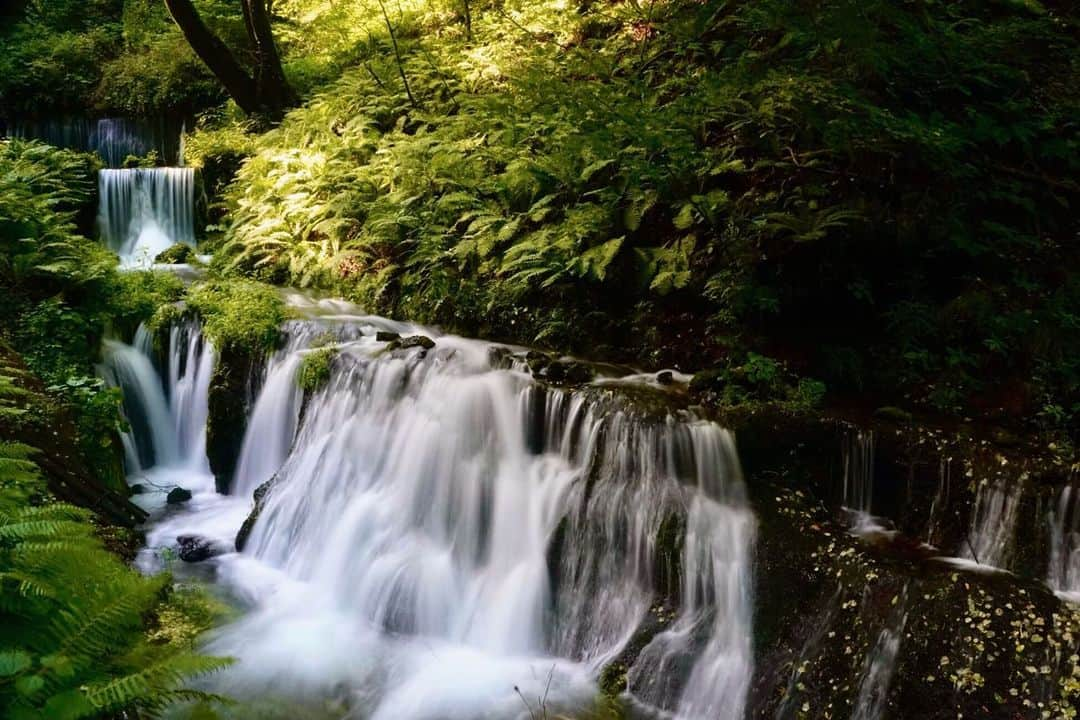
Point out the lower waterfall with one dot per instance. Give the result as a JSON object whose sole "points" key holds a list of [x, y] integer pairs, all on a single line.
{"points": [[444, 537], [144, 211]]}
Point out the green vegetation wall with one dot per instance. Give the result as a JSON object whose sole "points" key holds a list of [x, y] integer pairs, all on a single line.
{"points": [[878, 194]]}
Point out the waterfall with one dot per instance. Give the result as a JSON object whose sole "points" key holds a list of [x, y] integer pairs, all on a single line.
{"points": [[880, 663], [1063, 574], [168, 422], [191, 363], [114, 139], [992, 531], [446, 538], [151, 439], [859, 472], [144, 211]]}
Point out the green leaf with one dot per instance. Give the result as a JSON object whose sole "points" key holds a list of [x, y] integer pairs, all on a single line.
{"points": [[13, 662]]}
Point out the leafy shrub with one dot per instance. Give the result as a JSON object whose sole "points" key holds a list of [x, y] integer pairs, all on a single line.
{"points": [[768, 174]]}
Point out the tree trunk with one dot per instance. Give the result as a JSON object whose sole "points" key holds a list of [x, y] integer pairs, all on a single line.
{"points": [[271, 88], [264, 93]]}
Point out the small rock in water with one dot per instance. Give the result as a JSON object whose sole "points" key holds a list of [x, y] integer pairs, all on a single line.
{"points": [[137, 489], [665, 377], [386, 336], [420, 341], [194, 548], [177, 496]]}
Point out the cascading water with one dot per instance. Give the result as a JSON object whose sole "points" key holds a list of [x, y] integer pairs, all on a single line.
{"points": [[151, 439], [144, 211], [859, 472], [114, 139], [991, 536], [445, 538], [1063, 574], [880, 664]]}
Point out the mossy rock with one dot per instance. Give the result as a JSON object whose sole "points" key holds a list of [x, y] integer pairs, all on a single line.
{"points": [[227, 416], [179, 254]]}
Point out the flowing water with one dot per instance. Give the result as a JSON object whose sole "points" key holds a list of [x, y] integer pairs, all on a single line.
{"points": [[443, 537], [144, 211], [114, 139], [880, 663], [1063, 574], [992, 534]]}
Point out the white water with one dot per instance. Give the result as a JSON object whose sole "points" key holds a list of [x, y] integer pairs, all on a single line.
{"points": [[879, 665], [992, 532], [144, 211], [400, 564], [1063, 573]]}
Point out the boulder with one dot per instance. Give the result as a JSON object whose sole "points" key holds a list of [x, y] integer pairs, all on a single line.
{"points": [[178, 495], [195, 548], [386, 336], [420, 341]]}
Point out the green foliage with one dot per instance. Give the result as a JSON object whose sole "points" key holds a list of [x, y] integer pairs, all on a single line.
{"points": [[882, 191], [315, 369], [238, 314], [757, 379], [75, 641], [136, 296], [108, 56]]}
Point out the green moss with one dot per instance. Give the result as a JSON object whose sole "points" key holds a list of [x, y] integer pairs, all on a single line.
{"points": [[139, 296], [239, 314], [315, 368]]}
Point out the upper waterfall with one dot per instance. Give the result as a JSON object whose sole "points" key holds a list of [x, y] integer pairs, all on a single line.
{"points": [[144, 211], [113, 139]]}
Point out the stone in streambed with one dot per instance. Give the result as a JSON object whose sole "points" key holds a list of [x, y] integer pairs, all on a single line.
{"points": [[386, 336], [178, 495], [420, 341], [195, 548]]}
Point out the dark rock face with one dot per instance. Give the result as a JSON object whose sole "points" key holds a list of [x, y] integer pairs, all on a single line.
{"points": [[177, 496], [227, 403], [384, 336], [194, 548], [558, 371], [249, 522]]}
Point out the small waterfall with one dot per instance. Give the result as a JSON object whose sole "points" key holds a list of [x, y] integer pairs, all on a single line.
{"points": [[859, 472], [167, 429], [1063, 574], [191, 363], [992, 532], [151, 439], [880, 664], [114, 139], [145, 211]]}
